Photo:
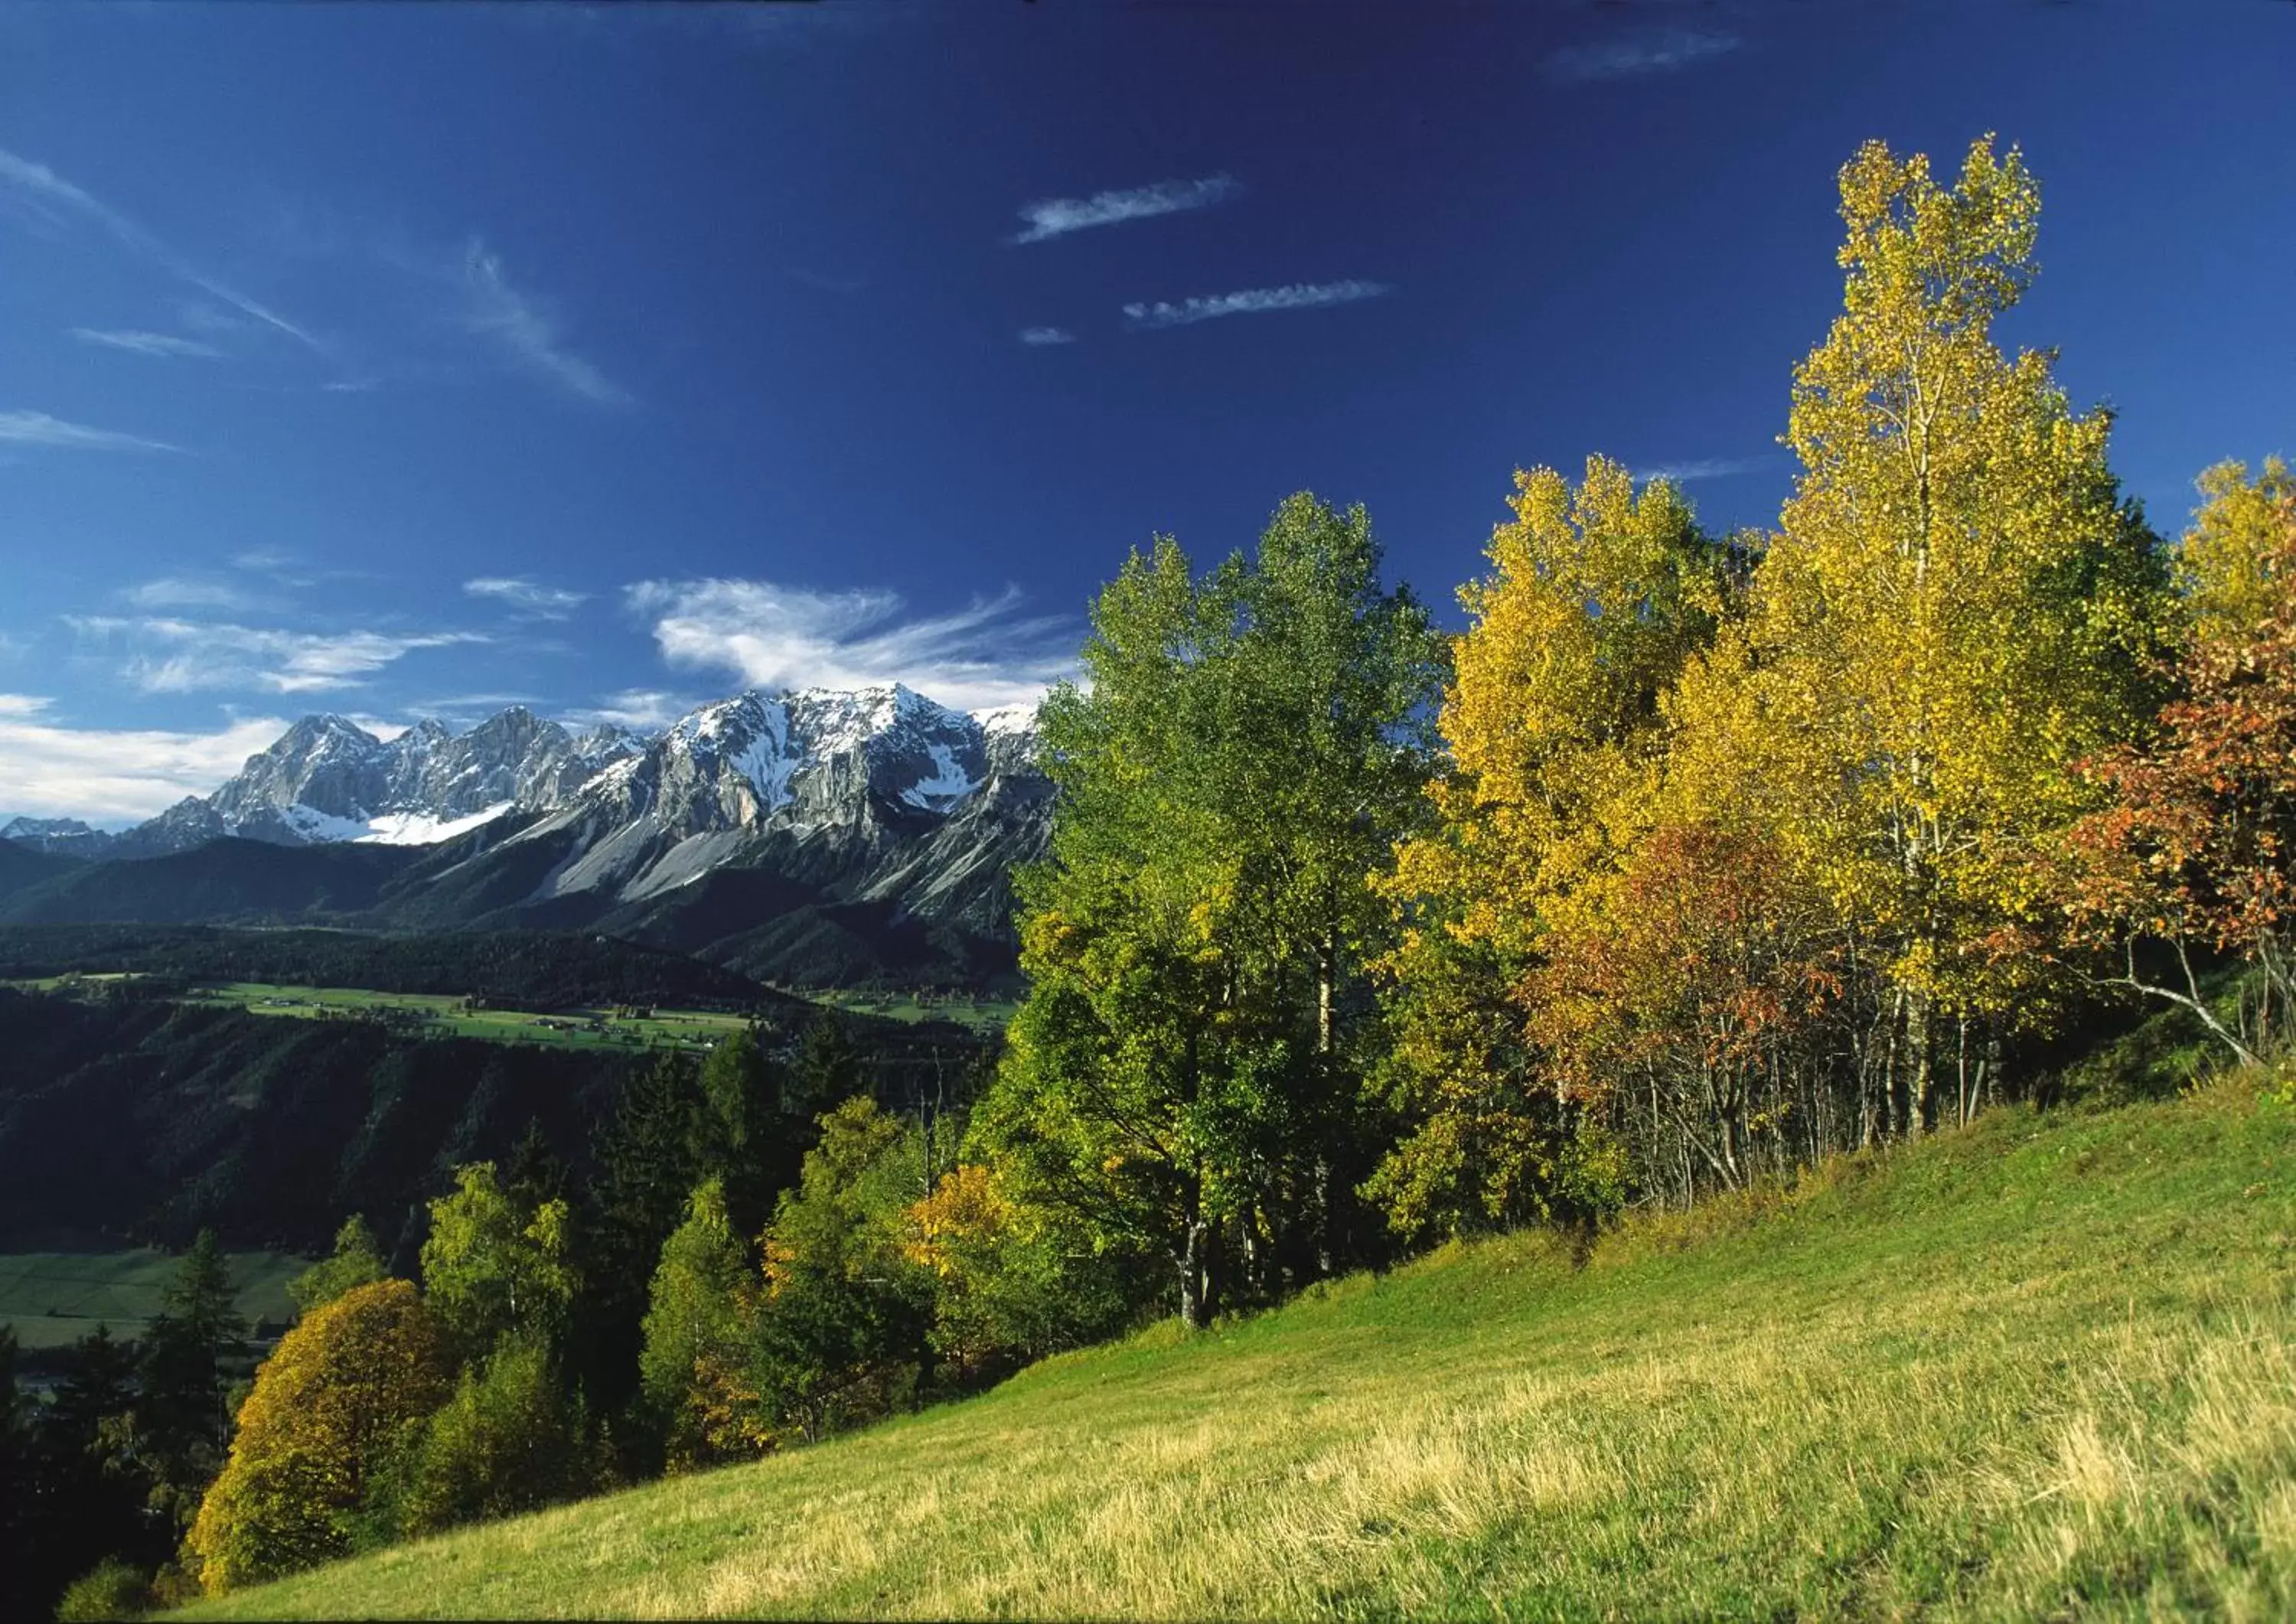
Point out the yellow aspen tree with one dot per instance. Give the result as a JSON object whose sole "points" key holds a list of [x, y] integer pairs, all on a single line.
{"points": [[1956, 608], [1595, 594]]}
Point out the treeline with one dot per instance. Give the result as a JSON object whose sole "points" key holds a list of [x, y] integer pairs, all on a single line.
{"points": [[538, 969]]}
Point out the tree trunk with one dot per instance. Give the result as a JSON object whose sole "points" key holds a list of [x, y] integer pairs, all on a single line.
{"points": [[1327, 965], [1195, 1305]]}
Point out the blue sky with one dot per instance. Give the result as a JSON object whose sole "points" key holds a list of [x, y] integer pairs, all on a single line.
{"points": [[406, 360]]}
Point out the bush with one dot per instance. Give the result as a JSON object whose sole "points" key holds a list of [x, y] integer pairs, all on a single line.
{"points": [[111, 1589]]}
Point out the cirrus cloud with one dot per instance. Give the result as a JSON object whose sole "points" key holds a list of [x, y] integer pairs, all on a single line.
{"points": [[1252, 301], [39, 429], [1057, 217], [524, 596], [172, 656], [138, 343]]}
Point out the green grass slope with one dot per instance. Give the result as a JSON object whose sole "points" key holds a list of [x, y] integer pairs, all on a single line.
{"points": [[2045, 1366]]}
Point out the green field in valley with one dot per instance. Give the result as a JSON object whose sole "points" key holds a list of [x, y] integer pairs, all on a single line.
{"points": [[2041, 1367], [978, 1014], [53, 1298], [452, 1016]]}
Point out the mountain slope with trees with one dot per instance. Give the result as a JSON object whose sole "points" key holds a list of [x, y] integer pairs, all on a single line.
{"points": [[1821, 1402]]}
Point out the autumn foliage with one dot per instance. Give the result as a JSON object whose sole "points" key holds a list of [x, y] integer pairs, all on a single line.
{"points": [[2197, 848], [341, 1392]]}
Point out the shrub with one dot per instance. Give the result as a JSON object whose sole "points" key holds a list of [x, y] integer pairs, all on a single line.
{"points": [[111, 1589]]}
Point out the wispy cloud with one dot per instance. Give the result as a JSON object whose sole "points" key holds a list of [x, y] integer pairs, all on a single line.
{"points": [[776, 636], [174, 656], [1252, 301], [1638, 55], [1040, 336], [160, 344], [38, 193], [1057, 217], [527, 333], [639, 709], [39, 429], [456, 706], [115, 775], [526, 598], [174, 592], [1705, 468]]}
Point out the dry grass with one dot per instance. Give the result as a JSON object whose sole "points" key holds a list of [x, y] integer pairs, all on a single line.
{"points": [[2043, 1368]]}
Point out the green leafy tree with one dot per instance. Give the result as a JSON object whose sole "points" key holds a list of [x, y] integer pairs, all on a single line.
{"points": [[1246, 751], [513, 1438], [356, 1261], [489, 1268], [698, 1329], [841, 1330], [111, 1589]]}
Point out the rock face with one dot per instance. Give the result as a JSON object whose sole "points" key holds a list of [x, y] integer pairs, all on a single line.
{"points": [[879, 795], [754, 830], [326, 779]]}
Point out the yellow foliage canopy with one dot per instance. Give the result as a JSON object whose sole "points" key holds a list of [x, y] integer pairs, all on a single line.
{"points": [[339, 1391]]}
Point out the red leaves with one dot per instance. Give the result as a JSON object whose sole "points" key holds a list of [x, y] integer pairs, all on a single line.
{"points": [[1703, 962], [2198, 839]]}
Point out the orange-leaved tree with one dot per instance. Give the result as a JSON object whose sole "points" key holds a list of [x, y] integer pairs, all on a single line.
{"points": [[2197, 848], [341, 1392]]}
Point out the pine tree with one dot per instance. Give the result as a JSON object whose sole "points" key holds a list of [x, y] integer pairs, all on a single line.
{"points": [[182, 1416]]}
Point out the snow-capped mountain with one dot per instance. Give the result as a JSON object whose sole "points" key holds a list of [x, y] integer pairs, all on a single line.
{"points": [[327, 779], [820, 835], [879, 796], [58, 836]]}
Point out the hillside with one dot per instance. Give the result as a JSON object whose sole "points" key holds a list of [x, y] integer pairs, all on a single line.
{"points": [[2047, 1364]]}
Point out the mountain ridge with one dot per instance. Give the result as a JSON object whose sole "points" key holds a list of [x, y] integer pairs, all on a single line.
{"points": [[804, 835]]}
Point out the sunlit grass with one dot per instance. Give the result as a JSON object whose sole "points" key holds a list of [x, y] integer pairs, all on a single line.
{"points": [[2042, 1367]]}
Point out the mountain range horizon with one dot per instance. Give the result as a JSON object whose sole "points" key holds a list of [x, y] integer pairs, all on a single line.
{"points": [[817, 834]]}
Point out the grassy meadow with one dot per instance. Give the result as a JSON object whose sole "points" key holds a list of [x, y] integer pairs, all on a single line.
{"points": [[445, 1012], [978, 1014], [53, 1298], [2044, 1367]]}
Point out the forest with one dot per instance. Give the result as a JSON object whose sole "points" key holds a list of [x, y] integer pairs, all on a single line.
{"points": [[1695, 861]]}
